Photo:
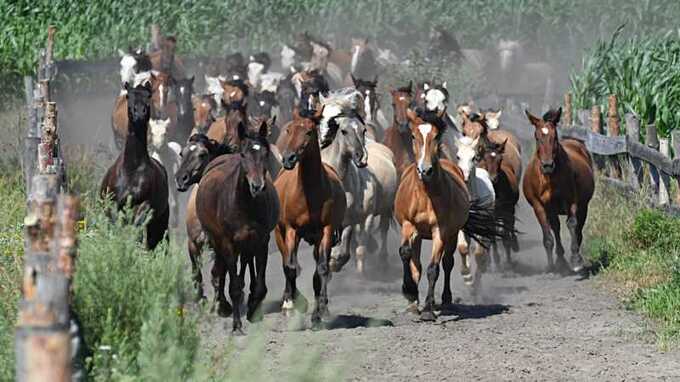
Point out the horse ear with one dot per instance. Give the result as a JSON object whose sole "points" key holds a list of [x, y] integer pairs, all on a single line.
{"points": [[537, 122], [191, 80], [375, 80], [502, 149], [426, 86], [354, 80], [444, 84], [319, 113], [410, 85], [271, 122]]}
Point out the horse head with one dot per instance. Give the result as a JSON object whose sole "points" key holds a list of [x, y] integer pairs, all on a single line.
{"points": [[426, 131], [547, 143], [301, 136], [194, 158]]}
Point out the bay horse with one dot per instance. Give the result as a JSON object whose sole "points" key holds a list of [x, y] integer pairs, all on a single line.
{"points": [[135, 177], [363, 64], [312, 208], [505, 177], [164, 60], [238, 207], [205, 112], [195, 157], [559, 181], [433, 202], [398, 135]]}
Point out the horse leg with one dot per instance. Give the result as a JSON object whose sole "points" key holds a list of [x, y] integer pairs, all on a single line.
{"points": [[288, 245], [322, 254], [236, 288], [447, 264], [509, 238], [554, 221], [432, 276], [259, 292], [407, 250], [194, 253], [382, 251], [464, 250], [156, 229], [362, 238], [548, 241], [575, 224], [218, 273], [341, 254], [482, 263]]}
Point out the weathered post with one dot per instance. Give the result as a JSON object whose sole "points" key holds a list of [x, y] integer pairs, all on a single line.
{"points": [[613, 130], [32, 138], [633, 136], [664, 185], [596, 127], [568, 118], [42, 337], [652, 141], [675, 143]]}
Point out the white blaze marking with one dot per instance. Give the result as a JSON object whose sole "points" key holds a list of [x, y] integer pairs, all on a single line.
{"points": [[401, 98], [367, 106], [355, 58], [192, 147], [434, 100], [235, 77], [545, 130], [261, 103], [424, 129], [256, 147], [493, 155], [160, 90]]}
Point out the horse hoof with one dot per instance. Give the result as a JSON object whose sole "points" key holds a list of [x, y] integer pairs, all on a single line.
{"points": [[224, 309], [412, 308], [337, 263], [317, 324], [428, 315], [515, 245], [254, 315], [238, 332]]}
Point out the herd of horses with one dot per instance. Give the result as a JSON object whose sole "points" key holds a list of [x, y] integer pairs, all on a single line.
{"points": [[309, 154]]}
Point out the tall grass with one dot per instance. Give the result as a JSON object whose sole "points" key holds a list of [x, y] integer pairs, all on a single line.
{"points": [[642, 72], [639, 250]]}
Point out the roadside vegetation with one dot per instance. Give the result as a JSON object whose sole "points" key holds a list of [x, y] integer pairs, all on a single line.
{"points": [[637, 250]]}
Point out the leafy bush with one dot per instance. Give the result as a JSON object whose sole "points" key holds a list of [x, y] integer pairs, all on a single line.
{"points": [[132, 304], [653, 228]]}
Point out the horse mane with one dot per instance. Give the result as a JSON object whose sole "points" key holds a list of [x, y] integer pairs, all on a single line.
{"points": [[406, 89], [214, 147], [431, 117], [239, 83], [478, 118], [553, 116]]}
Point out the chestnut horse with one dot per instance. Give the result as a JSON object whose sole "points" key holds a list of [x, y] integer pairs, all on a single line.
{"points": [[559, 181], [312, 208], [135, 177], [433, 203], [398, 136], [205, 112], [238, 207]]}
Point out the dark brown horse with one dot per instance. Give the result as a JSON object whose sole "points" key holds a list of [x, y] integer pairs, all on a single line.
{"points": [[238, 207], [160, 85], [433, 203], [312, 208], [398, 136], [136, 178], [559, 181]]}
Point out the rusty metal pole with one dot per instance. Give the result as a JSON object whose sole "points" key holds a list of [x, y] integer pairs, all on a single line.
{"points": [[42, 342]]}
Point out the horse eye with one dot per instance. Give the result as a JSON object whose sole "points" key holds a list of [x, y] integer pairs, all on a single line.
{"points": [[344, 132]]}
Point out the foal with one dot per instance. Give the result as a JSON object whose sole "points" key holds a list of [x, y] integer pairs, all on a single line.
{"points": [[559, 181], [312, 208], [135, 177]]}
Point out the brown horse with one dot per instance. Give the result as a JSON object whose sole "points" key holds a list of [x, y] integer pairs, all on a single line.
{"points": [[238, 208], [135, 177], [559, 181], [398, 136], [164, 60], [205, 112], [505, 177], [312, 208], [433, 203], [160, 85]]}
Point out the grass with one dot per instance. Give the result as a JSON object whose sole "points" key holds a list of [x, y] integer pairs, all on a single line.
{"points": [[638, 250]]}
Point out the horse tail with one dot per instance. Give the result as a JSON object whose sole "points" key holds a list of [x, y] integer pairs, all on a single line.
{"points": [[483, 225]]}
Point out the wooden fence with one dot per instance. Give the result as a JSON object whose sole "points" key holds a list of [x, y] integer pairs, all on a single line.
{"points": [[624, 158], [44, 335]]}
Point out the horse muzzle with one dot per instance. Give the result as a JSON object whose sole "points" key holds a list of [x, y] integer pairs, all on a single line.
{"points": [[256, 188], [425, 173], [547, 167], [182, 182], [360, 160], [288, 161]]}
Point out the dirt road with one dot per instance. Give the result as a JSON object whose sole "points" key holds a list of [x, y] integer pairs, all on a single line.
{"points": [[526, 326]]}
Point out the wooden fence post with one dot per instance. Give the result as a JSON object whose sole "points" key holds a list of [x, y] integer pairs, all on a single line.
{"points": [[675, 143], [596, 127], [633, 135], [652, 141], [568, 119], [613, 130], [42, 336], [32, 138], [665, 183]]}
